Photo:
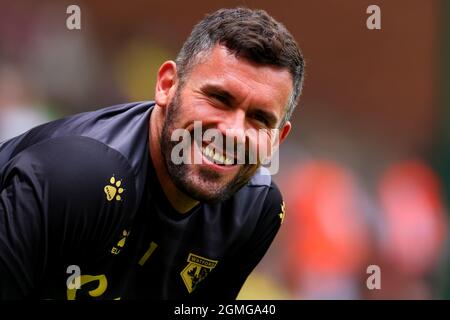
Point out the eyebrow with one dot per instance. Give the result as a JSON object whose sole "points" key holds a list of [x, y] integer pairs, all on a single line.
{"points": [[229, 99], [213, 89], [270, 117]]}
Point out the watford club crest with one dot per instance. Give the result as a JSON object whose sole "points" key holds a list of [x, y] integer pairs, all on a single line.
{"points": [[196, 270]]}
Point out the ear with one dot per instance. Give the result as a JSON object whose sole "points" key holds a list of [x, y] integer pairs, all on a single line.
{"points": [[165, 82], [281, 135], [284, 132]]}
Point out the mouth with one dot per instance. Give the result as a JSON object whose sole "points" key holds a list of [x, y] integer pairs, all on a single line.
{"points": [[213, 155]]}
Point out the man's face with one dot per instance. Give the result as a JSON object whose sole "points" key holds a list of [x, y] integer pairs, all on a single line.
{"points": [[237, 98]]}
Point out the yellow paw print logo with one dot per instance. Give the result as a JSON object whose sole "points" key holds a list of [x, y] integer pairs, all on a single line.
{"points": [[113, 190]]}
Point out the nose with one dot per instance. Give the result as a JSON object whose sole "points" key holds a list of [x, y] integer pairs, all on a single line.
{"points": [[233, 125]]}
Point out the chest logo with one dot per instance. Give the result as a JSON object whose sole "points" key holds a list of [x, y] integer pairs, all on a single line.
{"points": [[196, 270], [114, 190], [121, 243], [283, 212]]}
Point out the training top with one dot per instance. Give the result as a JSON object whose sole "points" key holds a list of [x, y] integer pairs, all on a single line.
{"points": [[83, 216]]}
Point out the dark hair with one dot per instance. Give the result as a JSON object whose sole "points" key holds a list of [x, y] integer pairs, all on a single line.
{"points": [[250, 34]]}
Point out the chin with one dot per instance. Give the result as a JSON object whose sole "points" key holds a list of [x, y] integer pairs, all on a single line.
{"points": [[207, 192]]}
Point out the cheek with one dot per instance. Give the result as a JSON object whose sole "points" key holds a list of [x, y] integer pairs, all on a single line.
{"points": [[210, 116], [261, 145], [265, 147], [197, 109]]}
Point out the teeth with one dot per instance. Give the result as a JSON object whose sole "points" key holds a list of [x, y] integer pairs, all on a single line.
{"points": [[209, 152]]}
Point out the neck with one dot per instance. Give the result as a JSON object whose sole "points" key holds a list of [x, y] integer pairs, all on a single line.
{"points": [[179, 200]]}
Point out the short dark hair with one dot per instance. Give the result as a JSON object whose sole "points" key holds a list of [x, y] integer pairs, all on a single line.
{"points": [[250, 34]]}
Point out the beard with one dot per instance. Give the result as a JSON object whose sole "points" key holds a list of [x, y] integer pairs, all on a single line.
{"points": [[205, 185]]}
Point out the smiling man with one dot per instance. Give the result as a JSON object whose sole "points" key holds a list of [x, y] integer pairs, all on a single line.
{"points": [[95, 205]]}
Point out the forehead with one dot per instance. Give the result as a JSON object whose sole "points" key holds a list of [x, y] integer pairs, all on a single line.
{"points": [[263, 84]]}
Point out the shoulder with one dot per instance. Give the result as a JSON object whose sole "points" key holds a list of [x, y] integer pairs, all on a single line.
{"points": [[262, 187], [273, 208], [123, 128], [74, 168], [71, 155], [85, 189], [260, 199]]}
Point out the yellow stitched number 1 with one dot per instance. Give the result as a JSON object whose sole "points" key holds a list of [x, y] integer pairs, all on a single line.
{"points": [[149, 252]]}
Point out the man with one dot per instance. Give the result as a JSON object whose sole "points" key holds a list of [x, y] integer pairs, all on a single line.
{"points": [[94, 205]]}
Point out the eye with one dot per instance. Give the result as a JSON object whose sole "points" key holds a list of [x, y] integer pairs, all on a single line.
{"points": [[261, 119], [218, 97]]}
